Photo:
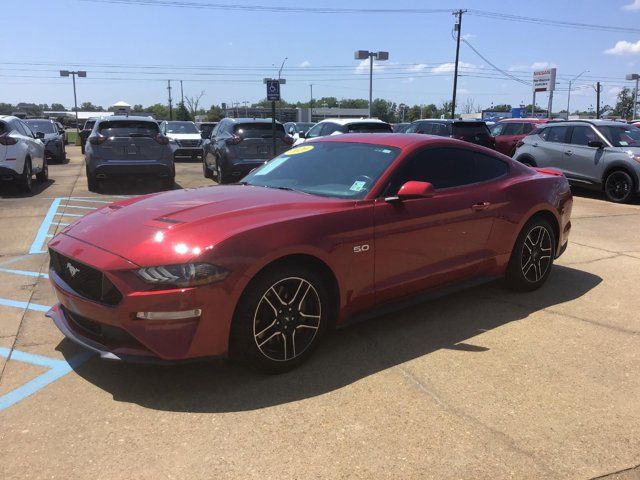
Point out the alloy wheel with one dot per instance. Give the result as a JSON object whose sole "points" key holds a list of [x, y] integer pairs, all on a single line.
{"points": [[617, 186], [536, 254], [287, 319]]}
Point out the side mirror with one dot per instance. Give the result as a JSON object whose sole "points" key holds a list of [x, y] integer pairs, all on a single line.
{"points": [[40, 135], [595, 144], [413, 189], [291, 130], [302, 135]]}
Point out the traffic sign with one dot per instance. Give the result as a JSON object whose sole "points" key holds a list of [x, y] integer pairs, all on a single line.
{"points": [[273, 90]]}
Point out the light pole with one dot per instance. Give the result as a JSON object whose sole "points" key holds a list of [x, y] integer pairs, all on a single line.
{"points": [[569, 94], [634, 76], [363, 55], [81, 74]]}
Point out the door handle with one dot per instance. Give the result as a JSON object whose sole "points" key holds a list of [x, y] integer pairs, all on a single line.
{"points": [[480, 206], [568, 152]]}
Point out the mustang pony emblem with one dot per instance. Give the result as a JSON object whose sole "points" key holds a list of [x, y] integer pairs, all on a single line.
{"points": [[72, 270]]}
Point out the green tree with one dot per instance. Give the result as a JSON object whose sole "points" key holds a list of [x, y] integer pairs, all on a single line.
{"points": [[384, 110], [6, 109], [182, 113], [138, 108], [158, 110], [624, 105], [215, 114], [89, 107], [58, 107], [503, 107]]}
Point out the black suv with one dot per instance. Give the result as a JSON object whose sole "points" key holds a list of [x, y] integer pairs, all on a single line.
{"points": [[86, 131], [53, 138], [471, 131], [238, 145]]}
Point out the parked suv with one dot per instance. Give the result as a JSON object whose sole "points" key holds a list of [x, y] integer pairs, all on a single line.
{"points": [[53, 139], [336, 126], [123, 145], [86, 131], [471, 131], [597, 154], [21, 153], [206, 128], [185, 137], [510, 131], [238, 145]]}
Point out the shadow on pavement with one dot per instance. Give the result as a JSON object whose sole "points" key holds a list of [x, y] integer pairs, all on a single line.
{"points": [[11, 189], [345, 356], [134, 186], [598, 195]]}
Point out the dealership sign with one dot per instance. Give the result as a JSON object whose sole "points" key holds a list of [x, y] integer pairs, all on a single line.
{"points": [[544, 80]]}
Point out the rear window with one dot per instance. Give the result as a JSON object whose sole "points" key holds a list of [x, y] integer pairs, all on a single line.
{"points": [[257, 130], [128, 128], [470, 129], [369, 127], [3, 128], [89, 124], [41, 126]]}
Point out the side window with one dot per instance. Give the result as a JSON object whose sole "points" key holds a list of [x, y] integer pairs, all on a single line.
{"points": [[20, 128], [214, 132], [315, 131], [557, 134], [411, 128], [488, 167], [527, 127], [329, 128], [582, 135], [514, 128], [497, 129]]}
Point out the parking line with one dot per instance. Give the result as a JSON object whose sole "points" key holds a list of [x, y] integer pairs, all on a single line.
{"points": [[78, 206], [57, 369], [26, 273], [65, 214], [39, 242], [80, 199], [5, 302]]}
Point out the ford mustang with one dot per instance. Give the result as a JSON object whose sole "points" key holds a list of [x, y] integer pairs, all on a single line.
{"points": [[323, 234]]}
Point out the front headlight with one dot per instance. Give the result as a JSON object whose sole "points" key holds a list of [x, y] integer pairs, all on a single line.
{"points": [[184, 275]]}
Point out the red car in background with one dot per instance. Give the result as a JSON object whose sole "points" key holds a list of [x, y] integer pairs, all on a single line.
{"points": [[320, 235], [510, 131]]}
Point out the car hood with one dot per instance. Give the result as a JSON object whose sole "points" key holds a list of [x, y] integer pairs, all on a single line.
{"points": [[180, 225], [184, 136]]}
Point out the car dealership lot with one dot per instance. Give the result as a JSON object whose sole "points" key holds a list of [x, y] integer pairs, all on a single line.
{"points": [[481, 384]]}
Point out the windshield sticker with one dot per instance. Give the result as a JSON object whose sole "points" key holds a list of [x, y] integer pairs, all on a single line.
{"points": [[623, 143], [382, 150], [299, 150], [357, 186], [270, 166]]}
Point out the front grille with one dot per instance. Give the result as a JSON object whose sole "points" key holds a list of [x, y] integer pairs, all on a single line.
{"points": [[104, 333], [85, 280], [189, 143]]}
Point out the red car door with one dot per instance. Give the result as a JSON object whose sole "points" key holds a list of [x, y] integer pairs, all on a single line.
{"points": [[509, 135], [420, 243]]}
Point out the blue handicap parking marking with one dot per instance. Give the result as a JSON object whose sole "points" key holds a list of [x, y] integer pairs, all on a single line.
{"points": [[56, 370]]}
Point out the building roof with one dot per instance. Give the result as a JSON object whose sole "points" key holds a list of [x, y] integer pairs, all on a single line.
{"points": [[121, 104]]}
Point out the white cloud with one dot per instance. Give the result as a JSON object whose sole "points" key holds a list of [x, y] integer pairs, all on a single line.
{"points": [[418, 67], [363, 66], [450, 67], [533, 66], [635, 5], [469, 36], [230, 44], [464, 91], [624, 48], [305, 64], [408, 80], [614, 91]]}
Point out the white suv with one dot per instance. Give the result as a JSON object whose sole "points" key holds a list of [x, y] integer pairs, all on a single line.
{"points": [[21, 153], [336, 126]]}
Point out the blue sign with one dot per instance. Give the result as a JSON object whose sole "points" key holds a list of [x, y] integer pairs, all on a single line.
{"points": [[273, 90]]}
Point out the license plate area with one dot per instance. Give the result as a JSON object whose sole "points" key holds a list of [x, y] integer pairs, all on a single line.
{"points": [[263, 149], [132, 150]]}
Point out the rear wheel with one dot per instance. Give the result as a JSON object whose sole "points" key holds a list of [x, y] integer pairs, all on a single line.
{"points": [[280, 318], [618, 186], [222, 176], [532, 256], [206, 171], [43, 175], [25, 180], [92, 182], [167, 183]]}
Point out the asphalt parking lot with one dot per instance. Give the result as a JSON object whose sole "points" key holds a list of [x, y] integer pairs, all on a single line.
{"points": [[482, 384]]}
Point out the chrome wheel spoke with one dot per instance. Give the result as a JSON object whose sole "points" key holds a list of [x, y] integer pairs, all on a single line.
{"points": [[536, 254], [270, 337], [273, 290]]}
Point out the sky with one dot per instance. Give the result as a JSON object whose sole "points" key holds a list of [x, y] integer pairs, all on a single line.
{"points": [[130, 48]]}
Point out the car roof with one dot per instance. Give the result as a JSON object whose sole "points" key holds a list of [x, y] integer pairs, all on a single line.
{"points": [[8, 117], [449, 120], [39, 120], [348, 121], [594, 122], [398, 140], [249, 120], [126, 117], [526, 119]]}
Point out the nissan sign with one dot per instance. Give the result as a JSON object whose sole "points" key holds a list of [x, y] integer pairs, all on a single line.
{"points": [[544, 80]]}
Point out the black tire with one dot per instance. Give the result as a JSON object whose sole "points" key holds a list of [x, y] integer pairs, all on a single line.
{"points": [[92, 182], [269, 315], [618, 186], [527, 161], [43, 175], [81, 147], [206, 171], [25, 180], [167, 183], [222, 176], [532, 256]]}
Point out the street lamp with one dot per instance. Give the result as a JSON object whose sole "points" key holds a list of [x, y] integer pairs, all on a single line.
{"points": [[81, 74], [363, 55], [634, 76], [569, 94]]}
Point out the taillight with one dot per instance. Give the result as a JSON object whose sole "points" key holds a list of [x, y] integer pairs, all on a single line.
{"points": [[97, 139], [161, 139], [235, 140], [6, 139], [288, 139]]}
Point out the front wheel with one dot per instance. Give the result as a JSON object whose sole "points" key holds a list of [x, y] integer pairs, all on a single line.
{"points": [[280, 319], [618, 186], [532, 256], [43, 175], [25, 180], [206, 171]]}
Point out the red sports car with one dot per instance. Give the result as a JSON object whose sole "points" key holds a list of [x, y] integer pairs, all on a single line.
{"points": [[318, 236]]}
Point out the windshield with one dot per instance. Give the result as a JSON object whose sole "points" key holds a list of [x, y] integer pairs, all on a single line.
{"points": [[303, 127], [41, 126], [182, 127], [128, 128], [470, 129], [331, 169], [89, 124], [258, 130], [622, 135]]}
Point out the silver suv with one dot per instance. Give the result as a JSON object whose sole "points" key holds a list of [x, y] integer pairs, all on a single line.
{"points": [[597, 154]]}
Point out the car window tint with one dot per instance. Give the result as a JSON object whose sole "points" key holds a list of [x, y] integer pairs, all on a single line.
{"points": [[515, 128], [329, 128], [469, 129], [257, 130], [3, 128], [442, 167], [488, 167], [527, 127], [315, 131], [43, 126], [20, 128], [89, 124], [412, 128], [497, 129], [582, 135], [128, 128], [557, 134], [369, 127]]}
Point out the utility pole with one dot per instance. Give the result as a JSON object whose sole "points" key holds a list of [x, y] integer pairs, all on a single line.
{"points": [[363, 55], [636, 77], [170, 107], [569, 94], [311, 104], [598, 100], [458, 28], [81, 74]]}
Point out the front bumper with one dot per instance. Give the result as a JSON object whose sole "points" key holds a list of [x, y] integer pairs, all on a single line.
{"points": [[114, 331], [52, 149], [188, 152]]}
